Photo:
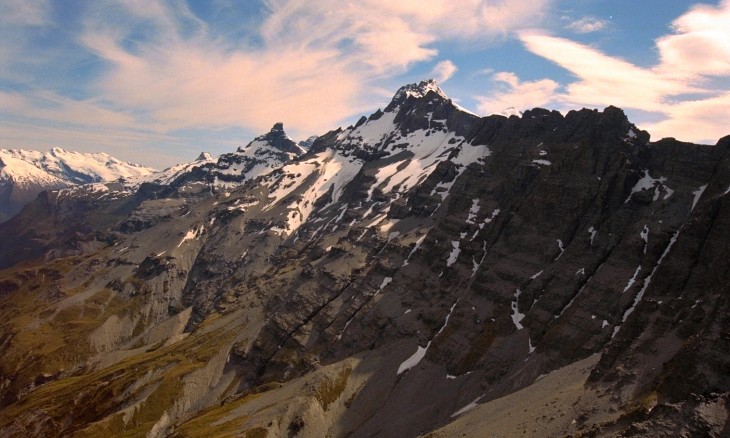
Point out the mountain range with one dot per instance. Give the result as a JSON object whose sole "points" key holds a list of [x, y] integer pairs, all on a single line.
{"points": [[24, 174], [423, 272]]}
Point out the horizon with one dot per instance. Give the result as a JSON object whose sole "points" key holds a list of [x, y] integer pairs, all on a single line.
{"points": [[157, 83]]}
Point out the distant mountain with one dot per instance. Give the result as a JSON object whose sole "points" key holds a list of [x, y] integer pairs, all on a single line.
{"points": [[306, 144], [262, 155], [423, 272], [24, 174]]}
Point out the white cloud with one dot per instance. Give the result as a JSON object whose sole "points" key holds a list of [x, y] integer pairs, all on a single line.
{"points": [[699, 45], [703, 121], [684, 87], [310, 64], [181, 81], [443, 71], [587, 25], [516, 95], [603, 79]]}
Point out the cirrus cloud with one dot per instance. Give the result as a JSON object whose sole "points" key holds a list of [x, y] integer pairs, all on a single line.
{"points": [[161, 67], [443, 71]]}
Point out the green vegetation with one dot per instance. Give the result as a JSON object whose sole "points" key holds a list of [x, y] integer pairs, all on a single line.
{"points": [[41, 341]]}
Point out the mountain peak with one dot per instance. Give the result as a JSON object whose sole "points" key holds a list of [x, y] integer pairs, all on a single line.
{"points": [[419, 90], [204, 156], [277, 139]]}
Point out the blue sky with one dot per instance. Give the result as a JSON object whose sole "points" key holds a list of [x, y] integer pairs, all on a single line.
{"points": [[157, 81]]}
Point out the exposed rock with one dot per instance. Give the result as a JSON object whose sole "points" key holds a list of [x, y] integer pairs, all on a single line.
{"points": [[422, 272]]}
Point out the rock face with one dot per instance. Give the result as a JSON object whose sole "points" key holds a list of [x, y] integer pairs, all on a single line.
{"points": [[423, 272]]}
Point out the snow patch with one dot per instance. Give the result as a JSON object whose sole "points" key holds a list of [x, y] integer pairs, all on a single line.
{"points": [[516, 315], [645, 237], [454, 253], [561, 247], [473, 211], [476, 265], [647, 183], [698, 194], [632, 280], [420, 353], [542, 162], [485, 222], [327, 171], [192, 234], [647, 281], [339, 336], [468, 407], [592, 231], [415, 248]]}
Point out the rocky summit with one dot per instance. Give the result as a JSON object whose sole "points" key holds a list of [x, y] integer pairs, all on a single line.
{"points": [[424, 272]]}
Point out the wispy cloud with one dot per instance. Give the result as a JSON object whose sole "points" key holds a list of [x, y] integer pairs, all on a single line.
{"points": [[517, 95], [444, 70], [587, 25], [24, 13], [160, 68], [692, 58], [699, 44], [605, 79]]}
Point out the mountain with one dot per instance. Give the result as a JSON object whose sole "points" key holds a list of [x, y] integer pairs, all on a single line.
{"points": [[424, 272], [262, 155], [24, 174]]}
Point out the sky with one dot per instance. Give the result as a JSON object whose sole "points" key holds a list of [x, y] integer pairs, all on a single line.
{"points": [[158, 81]]}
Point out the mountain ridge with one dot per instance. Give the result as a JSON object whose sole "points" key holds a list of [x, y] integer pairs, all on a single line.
{"points": [[401, 277], [24, 173]]}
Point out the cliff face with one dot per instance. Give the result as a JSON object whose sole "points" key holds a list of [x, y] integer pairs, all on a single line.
{"points": [[407, 274]]}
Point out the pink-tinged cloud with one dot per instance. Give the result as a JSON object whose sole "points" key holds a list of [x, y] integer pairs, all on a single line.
{"points": [[443, 71], [703, 121], [315, 67], [517, 96], [693, 59], [700, 43], [605, 79]]}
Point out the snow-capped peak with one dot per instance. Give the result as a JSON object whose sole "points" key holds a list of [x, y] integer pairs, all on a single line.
{"points": [[276, 139], [262, 155], [420, 89], [74, 167]]}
